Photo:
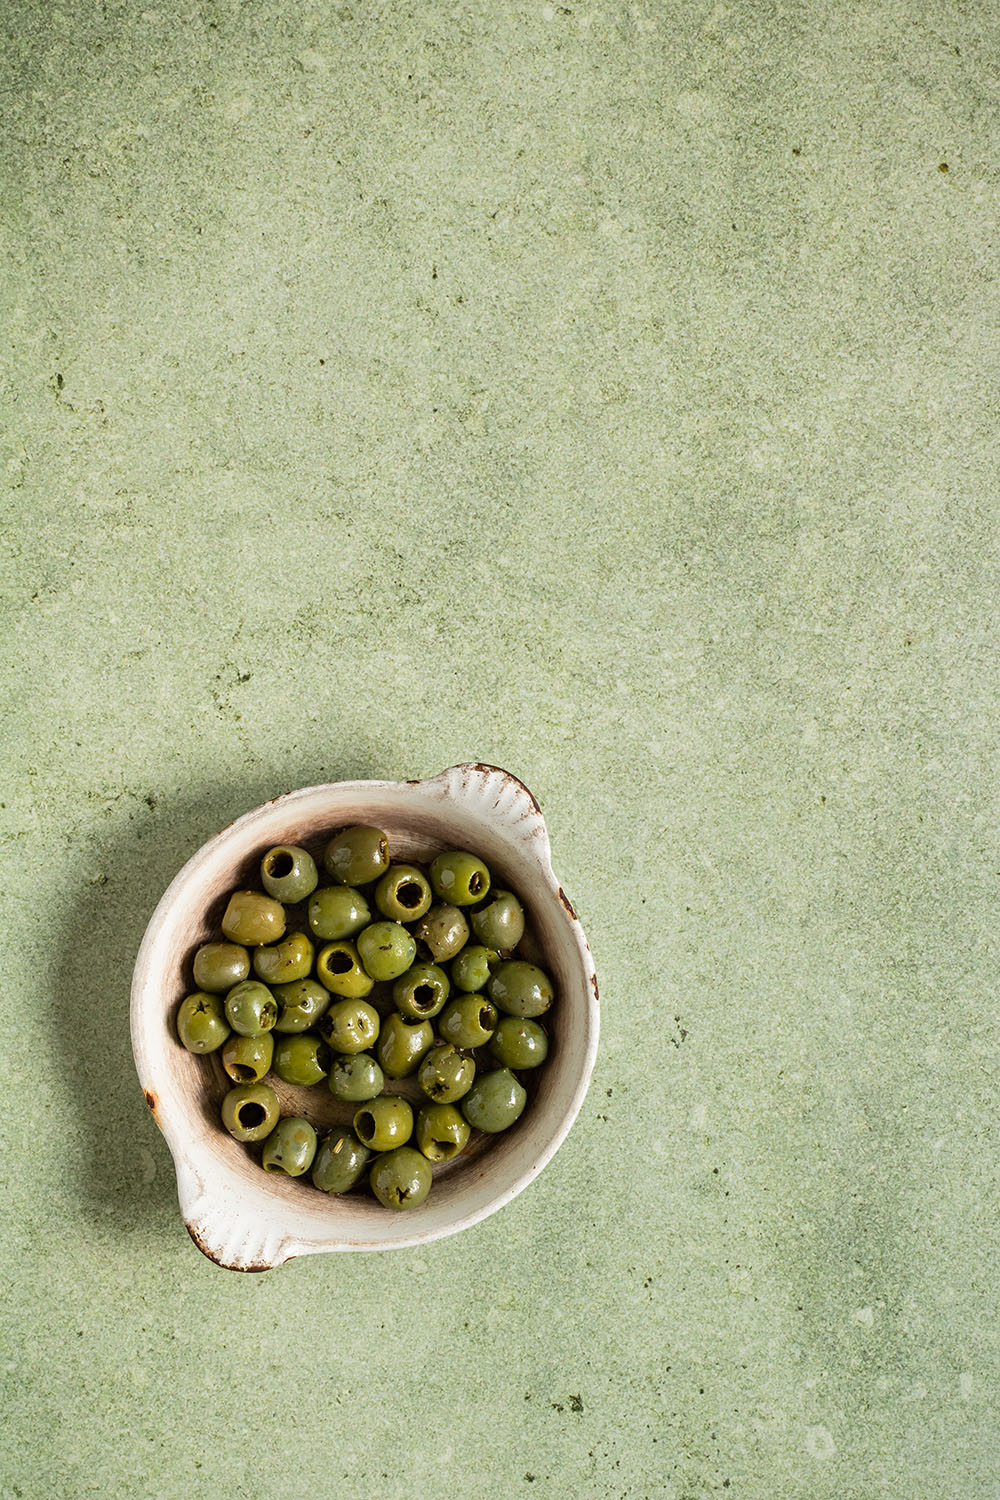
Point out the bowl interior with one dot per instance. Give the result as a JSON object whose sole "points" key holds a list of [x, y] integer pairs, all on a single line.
{"points": [[185, 1091]]}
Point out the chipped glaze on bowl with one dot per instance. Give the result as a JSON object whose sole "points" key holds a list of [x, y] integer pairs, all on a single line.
{"points": [[248, 1220]]}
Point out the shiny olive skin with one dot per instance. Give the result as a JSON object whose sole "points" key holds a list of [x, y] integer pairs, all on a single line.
{"points": [[251, 1008], [338, 967], [350, 1026], [441, 1131], [384, 1123], [386, 950], [357, 855], [403, 1045], [403, 893], [286, 961], [443, 932], [519, 1043], [401, 1178], [421, 992], [303, 1058], [500, 923], [340, 1162], [250, 1111], [247, 1058], [494, 1101], [288, 873], [520, 989], [446, 1074], [459, 878], [218, 966], [252, 918], [301, 1004], [467, 1021], [202, 1024], [337, 911], [355, 1077], [471, 970], [290, 1148]]}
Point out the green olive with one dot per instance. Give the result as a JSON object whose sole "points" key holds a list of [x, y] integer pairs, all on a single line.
{"points": [[401, 1178], [247, 1058], [288, 873], [290, 1148], [357, 855], [441, 1131], [338, 911], [471, 970], [386, 950], [468, 1021], [302, 1003], [350, 1026], [338, 966], [444, 932], [494, 1101], [251, 1008], [253, 918], [218, 966], [519, 1043], [250, 1111], [421, 991], [384, 1123], [286, 961], [402, 1045], [355, 1078], [302, 1058], [500, 923], [403, 893], [459, 878], [446, 1074], [520, 989], [201, 1022], [340, 1162]]}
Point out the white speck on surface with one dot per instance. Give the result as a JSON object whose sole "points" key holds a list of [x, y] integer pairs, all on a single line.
{"points": [[966, 1385], [864, 1315], [698, 1117], [819, 1442]]}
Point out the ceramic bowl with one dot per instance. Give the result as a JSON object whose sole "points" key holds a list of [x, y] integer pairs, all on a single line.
{"points": [[250, 1220]]}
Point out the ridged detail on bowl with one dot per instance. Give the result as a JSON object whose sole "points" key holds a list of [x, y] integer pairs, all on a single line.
{"points": [[505, 800], [224, 1230]]}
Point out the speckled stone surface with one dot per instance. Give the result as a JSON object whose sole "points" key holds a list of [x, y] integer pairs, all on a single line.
{"points": [[608, 392]]}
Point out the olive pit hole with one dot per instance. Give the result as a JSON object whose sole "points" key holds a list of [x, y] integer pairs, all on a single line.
{"points": [[485, 1017], [476, 883], [243, 1074], [340, 963], [280, 864], [366, 1125], [423, 996], [409, 894], [251, 1115]]}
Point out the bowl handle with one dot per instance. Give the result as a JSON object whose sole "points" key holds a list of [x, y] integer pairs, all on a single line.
{"points": [[222, 1226], [505, 800]]}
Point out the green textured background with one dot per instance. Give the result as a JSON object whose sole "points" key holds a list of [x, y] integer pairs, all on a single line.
{"points": [[610, 392]]}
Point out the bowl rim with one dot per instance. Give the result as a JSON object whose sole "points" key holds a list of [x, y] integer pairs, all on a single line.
{"points": [[522, 827]]}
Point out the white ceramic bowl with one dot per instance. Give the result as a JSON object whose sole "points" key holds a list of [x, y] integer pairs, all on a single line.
{"points": [[250, 1220]]}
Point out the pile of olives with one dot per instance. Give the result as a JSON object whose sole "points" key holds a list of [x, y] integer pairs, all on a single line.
{"points": [[399, 972]]}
